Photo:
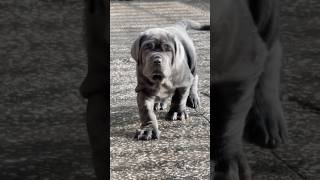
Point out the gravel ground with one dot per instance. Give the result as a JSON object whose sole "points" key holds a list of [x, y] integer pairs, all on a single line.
{"points": [[42, 125]]}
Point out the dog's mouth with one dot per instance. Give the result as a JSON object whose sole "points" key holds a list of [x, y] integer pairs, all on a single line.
{"points": [[157, 77]]}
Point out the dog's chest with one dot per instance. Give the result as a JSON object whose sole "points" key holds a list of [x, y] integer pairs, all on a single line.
{"points": [[164, 91]]}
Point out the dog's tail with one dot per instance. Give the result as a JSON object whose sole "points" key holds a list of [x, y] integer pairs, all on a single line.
{"points": [[189, 24]]}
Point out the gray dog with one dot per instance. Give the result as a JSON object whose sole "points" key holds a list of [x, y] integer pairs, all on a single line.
{"points": [[166, 67], [246, 83]]}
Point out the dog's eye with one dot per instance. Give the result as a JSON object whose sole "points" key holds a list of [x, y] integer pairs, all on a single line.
{"points": [[149, 46], [166, 47]]}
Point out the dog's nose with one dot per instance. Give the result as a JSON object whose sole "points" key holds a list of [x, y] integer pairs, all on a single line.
{"points": [[157, 61]]}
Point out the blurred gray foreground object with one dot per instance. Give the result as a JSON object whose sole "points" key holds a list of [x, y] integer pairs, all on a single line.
{"points": [[94, 87], [245, 81]]}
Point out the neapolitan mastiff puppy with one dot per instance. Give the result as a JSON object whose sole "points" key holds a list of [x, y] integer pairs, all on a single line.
{"points": [[245, 82], [166, 66]]}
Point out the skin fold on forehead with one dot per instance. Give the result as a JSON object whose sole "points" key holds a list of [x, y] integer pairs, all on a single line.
{"points": [[160, 34], [158, 39]]}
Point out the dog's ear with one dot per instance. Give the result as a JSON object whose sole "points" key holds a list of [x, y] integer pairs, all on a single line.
{"points": [[179, 53], [135, 48]]}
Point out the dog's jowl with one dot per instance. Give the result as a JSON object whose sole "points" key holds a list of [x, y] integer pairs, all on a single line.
{"points": [[166, 67], [245, 83]]}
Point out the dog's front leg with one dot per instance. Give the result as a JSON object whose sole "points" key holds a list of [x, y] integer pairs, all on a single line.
{"points": [[149, 125], [178, 105], [232, 101]]}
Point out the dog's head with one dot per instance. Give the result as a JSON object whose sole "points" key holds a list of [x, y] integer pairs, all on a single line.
{"points": [[156, 52]]}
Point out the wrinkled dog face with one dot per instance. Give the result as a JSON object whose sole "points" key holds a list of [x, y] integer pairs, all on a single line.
{"points": [[156, 55]]}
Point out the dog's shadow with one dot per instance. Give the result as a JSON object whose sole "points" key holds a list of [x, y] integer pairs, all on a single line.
{"points": [[123, 121]]}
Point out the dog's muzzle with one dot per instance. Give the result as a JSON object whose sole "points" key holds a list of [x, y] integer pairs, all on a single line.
{"points": [[157, 74]]}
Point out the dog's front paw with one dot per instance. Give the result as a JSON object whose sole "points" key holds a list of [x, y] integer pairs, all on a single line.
{"points": [[193, 101], [234, 168], [147, 133], [174, 115]]}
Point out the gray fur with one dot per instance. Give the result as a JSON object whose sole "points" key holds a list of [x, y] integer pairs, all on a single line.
{"points": [[245, 80], [166, 67]]}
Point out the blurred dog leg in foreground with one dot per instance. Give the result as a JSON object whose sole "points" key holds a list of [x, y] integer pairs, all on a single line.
{"points": [[245, 80], [94, 87]]}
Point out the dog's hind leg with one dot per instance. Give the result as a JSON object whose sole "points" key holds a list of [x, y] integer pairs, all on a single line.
{"points": [[193, 100], [265, 122], [160, 105]]}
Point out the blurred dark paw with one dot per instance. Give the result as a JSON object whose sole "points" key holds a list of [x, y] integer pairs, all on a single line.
{"points": [[159, 106], [235, 168], [267, 130]]}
